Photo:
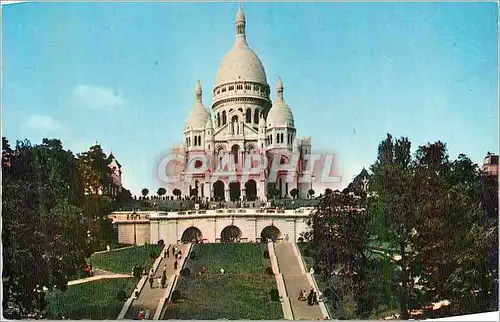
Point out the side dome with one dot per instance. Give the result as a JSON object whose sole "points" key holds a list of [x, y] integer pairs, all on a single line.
{"points": [[198, 115], [280, 114], [241, 63], [209, 124]]}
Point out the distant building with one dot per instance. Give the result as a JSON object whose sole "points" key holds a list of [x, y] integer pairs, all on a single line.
{"points": [[490, 165], [115, 175]]}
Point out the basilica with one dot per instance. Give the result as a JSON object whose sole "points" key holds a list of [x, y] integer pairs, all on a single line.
{"points": [[242, 121]]}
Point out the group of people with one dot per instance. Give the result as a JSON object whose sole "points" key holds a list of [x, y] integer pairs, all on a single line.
{"points": [[162, 279], [144, 314], [176, 253], [312, 297]]}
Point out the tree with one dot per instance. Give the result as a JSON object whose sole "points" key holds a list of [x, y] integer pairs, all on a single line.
{"points": [[393, 181], [177, 192], [328, 191], [144, 192], [161, 191], [294, 193], [310, 193], [43, 234]]}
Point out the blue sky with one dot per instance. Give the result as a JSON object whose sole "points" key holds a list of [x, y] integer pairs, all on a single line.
{"points": [[124, 74]]}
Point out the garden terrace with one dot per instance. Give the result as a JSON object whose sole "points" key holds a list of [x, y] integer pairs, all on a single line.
{"points": [[242, 292], [96, 300], [124, 260]]}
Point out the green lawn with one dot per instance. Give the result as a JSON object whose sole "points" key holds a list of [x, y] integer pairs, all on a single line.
{"points": [[234, 258], [93, 301], [123, 260], [242, 292]]}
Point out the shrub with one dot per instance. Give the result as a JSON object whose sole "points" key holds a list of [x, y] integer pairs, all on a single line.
{"points": [[121, 296], [192, 255], [317, 269], [152, 255], [137, 271], [266, 254], [161, 243], [306, 252], [185, 272], [301, 239], [269, 270], [275, 296], [176, 296]]}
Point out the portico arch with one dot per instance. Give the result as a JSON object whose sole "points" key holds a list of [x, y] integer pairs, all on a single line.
{"points": [[235, 190], [191, 234], [218, 190], [270, 232], [251, 190], [230, 234]]}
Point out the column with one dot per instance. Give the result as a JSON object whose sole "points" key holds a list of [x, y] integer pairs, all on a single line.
{"points": [[226, 194], [243, 194]]}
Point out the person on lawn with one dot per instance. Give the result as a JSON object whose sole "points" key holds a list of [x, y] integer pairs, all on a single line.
{"points": [[203, 270]]}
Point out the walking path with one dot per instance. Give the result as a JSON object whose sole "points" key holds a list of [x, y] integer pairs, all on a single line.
{"points": [[149, 297], [98, 275], [295, 281]]}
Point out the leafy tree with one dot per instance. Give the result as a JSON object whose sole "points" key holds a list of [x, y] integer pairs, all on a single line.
{"points": [[328, 191], [177, 192], [43, 237], [144, 192], [310, 192], [161, 191], [294, 193]]}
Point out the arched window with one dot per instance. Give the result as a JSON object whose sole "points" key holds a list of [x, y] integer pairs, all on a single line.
{"points": [[248, 87], [248, 115], [231, 88], [224, 117], [256, 116], [234, 119], [277, 138], [199, 139], [235, 150], [282, 140], [218, 119]]}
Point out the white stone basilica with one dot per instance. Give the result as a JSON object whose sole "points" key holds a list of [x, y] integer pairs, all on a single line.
{"points": [[241, 121]]}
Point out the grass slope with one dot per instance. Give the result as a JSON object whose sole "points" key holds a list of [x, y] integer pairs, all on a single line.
{"points": [[93, 300], [242, 292], [123, 260]]}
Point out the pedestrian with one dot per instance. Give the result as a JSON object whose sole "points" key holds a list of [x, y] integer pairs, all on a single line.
{"points": [[151, 280], [222, 270], [163, 280], [315, 298], [147, 313], [173, 251], [175, 265], [164, 270], [140, 315], [159, 281], [310, 297], [165, 253]]}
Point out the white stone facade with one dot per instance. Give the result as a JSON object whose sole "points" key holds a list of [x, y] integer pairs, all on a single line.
{"points": [[241, 124], [176, 227]]}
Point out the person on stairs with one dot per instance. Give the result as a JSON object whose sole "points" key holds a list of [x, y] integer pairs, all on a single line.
{"points": [[163, 279], [310, 297], [147, 313], [175, 265], [151, 280]]}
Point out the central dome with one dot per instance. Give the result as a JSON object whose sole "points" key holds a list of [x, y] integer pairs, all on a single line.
{"points": [[241, 63]]}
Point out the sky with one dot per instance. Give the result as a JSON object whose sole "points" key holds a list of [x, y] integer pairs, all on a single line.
{"points": [[124, 74]]}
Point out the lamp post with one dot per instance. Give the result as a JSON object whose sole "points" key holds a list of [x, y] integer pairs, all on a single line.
{"points": [[134, 216]]}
